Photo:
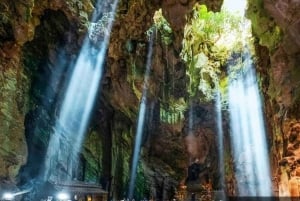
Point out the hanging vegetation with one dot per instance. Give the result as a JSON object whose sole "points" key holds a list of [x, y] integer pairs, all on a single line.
{"points": [[209, 41], [161, 25]]}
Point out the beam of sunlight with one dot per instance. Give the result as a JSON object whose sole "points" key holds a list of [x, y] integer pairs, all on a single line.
{"points": [[67, 138], [220, 138], [141, 120], [242, 29], [248, 134], [237, 7], [57, 81], [22, 192], [190, 126]]}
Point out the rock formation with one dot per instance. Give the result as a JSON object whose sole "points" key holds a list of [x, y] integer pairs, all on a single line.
{"points": [[39, 39]]}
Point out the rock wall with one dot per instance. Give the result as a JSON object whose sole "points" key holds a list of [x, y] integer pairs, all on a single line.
{"points": [[19, 20], [32, 36], [163, 154], [13, 151], [278, 65]]}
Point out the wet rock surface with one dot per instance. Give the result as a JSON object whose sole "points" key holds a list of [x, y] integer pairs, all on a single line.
{"points": [[19, 22], [278, 66], [38, 29], [32, 36]]}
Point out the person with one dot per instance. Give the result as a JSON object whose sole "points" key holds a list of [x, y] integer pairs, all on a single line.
{"points": [[193, 197]]}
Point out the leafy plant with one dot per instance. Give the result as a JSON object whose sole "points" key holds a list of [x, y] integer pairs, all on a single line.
{"points": [[173, 111], [209, 40], [161, 25]]}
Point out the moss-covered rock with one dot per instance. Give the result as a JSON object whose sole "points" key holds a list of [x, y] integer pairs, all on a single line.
{"points": [[263, 25], [35, 30], [14, 86], [278, 68]]}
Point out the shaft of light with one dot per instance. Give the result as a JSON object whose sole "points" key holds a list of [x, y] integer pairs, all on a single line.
{"points": [[235, 6], [56, 80], [141, 120], [220, 138], [22, 192], [66, 141], [248, 135]]}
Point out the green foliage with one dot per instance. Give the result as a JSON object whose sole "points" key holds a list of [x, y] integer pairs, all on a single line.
{"points": [[8, 85], [161, 25], [172, 112], [142, 186], [4, 14], [223, 89], [264, 27], [93, 154], [13, 95], [209, 39]]}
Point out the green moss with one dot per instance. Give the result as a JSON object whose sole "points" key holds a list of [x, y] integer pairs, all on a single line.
{"points": [[93, 154], [209, 40], [295, 93], [172, 112], [142, 184], [8, 85], [28, 14], [223, 86], [12, 139], [5, 14], [263, 26], [163, 27]]}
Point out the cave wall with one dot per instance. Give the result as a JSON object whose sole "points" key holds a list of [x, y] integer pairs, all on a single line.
{"points": [[28, 52], [276, 26], [13, 152], [200, 139], [39, 38], [21, 81], [123, 88]]}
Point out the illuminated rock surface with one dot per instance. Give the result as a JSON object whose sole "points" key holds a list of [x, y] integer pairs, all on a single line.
{"points": [[39, 39]]}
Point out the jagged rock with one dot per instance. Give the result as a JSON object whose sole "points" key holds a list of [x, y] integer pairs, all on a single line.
{"points": [[21, 20], [123, 83], [279, 70], [287, 16]]}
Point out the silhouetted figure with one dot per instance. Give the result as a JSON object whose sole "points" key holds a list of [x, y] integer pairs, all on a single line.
{"points": [[104, 181], [193, 197], [194, 170]]}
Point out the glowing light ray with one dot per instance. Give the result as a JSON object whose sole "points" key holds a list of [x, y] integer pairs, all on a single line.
{"points": [[74, 89], [237, 7], [234, 115], [140, 122], [249, 141], [88, 106], [252, 117], [259, 138], [55, 81], [248, 134], [77, 104], [220, 139]]}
